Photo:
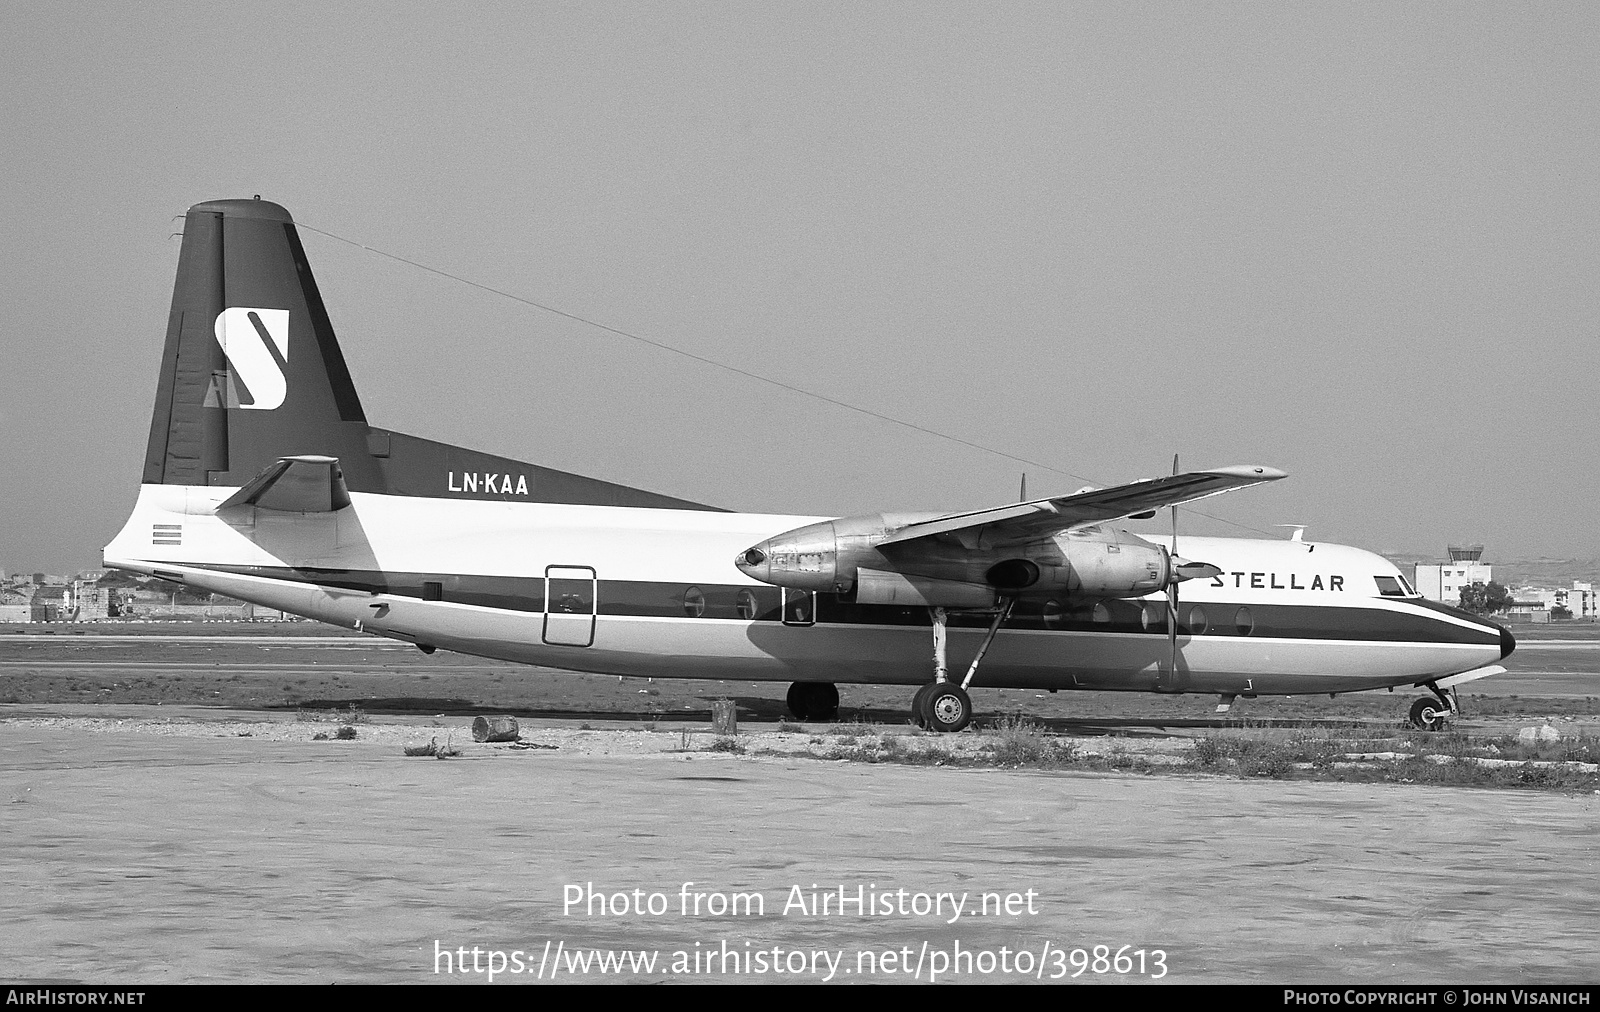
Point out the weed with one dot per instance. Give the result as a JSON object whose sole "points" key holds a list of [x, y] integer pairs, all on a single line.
{"points": [[345, 733], [932, 755], [1020, 742], [788, 728], [350, 715], [856, 750], [1268, 761], [1023, 742], [727, 743], [1210, 750], [855, 728]]}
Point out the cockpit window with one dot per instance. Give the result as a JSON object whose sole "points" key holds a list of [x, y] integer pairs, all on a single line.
{"points": [[1388, 586], [1407, 585]]}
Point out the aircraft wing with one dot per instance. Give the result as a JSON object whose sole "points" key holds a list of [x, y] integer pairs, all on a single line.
{"points": [[307, 484], [1026, 520]]}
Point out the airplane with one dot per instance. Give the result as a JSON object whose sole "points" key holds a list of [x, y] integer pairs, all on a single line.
{"points": [[263, 481]]}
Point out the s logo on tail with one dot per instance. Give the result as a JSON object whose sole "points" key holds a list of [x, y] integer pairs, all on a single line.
{"points": [[256, 342]]}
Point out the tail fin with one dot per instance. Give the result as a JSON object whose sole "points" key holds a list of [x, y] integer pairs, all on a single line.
{"points": [[251, 370], [252, 373]]}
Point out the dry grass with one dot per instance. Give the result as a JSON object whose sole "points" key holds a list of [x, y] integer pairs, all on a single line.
{"points": [[1445, 759], [351, 715], [1019, 741]]}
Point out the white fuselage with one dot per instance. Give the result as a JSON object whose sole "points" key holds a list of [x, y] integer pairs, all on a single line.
{"points": [[655, 592]]}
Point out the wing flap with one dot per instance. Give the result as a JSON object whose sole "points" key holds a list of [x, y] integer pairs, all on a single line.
{"points": [[1047, 516], [305, 484]]}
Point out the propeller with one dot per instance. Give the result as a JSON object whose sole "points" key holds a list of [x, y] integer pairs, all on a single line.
{"points": [[1172, 596], [1180, 569]]}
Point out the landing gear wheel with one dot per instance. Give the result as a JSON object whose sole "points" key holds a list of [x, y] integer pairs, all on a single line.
{"points": [[813, 700], [919, 705], [1428, 714], [948, 706], [825, 705]]}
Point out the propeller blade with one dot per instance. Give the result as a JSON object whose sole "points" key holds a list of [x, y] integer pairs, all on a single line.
{"points": [[1184, 569], [1172, 632], [1172, 595], [1174, 511]]}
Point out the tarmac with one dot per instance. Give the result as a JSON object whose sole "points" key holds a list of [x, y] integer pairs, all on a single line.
{"points": [[153, 853]]}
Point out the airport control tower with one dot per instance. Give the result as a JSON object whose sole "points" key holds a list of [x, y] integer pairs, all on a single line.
{"points": [[1444, 581]]}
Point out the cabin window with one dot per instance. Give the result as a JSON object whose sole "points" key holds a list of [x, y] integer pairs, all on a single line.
{"points": [[1197, 623], [746, 602], [1052, 614], [1102, 614], [1388, 586], [432, 590], [1153, 617], [799, 607], [1244, 621], [694, 602]]}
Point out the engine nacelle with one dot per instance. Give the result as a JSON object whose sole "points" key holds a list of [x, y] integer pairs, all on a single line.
{"points": [[834, 555], [873, 586], [1111, 564]]}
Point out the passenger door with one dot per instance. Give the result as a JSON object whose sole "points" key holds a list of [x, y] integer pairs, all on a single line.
{"points": [[569, 605]]}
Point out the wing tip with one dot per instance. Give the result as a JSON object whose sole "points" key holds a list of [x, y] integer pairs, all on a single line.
{"points": [[1259, 472]]}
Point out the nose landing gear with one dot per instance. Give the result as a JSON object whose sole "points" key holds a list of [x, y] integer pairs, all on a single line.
{"points": [[1429, 714]]}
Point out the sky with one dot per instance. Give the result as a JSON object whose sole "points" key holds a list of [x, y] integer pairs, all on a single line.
{"points": [[1358, 242]]}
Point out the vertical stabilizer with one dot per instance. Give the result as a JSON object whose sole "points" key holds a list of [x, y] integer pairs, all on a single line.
{"points": [[251, 371]]}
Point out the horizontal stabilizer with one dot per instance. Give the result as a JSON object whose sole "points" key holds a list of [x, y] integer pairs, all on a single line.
{"points": [[306, 484], [1046, 516]]}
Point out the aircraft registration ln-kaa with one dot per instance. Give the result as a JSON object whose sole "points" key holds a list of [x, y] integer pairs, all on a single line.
{"points": [[263, 481]]}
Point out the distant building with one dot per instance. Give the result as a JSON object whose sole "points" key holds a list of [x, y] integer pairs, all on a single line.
{"points": [[1444, 581], [1535, 604], [1580, 600], [86, 600], [45, 605]]}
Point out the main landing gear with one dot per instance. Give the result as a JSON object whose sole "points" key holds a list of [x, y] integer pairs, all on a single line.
{"points": [[1429, 714], [814, 700], [944, 705]]}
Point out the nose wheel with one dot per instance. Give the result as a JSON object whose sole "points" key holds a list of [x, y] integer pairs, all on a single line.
{"points": [[1429, 714]]}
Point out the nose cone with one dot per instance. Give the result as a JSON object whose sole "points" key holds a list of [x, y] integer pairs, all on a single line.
{"points": [[1508, 643], [753, 562]]}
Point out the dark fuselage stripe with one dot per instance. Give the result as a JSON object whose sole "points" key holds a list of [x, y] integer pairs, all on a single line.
{"points": [[1416, 622]]}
